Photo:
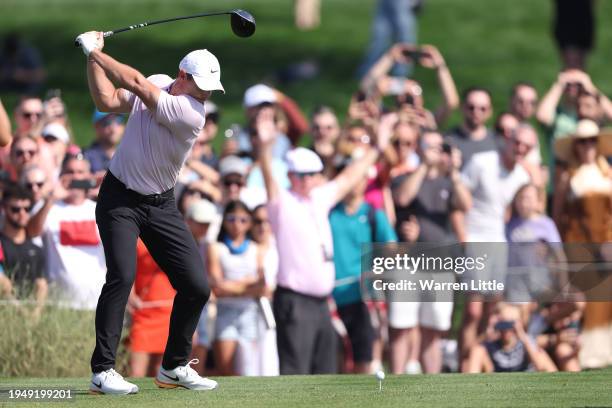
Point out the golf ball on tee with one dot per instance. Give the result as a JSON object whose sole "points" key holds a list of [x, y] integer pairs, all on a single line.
{"points": [[380, 375]]}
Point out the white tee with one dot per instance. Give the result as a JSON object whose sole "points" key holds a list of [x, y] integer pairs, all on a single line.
{"points": [[75, 256], [493, 187]]}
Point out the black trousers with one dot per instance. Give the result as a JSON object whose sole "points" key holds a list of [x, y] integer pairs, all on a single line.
{"points": [[307, 342], [122, 216]]}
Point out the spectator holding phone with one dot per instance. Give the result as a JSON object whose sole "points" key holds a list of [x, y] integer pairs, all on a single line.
{"points": [[409, 94], [511, 349], [430, 194], [75, 256]]}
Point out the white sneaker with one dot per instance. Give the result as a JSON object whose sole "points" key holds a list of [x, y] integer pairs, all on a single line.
{"points": [[111, 382], [185, 377]]}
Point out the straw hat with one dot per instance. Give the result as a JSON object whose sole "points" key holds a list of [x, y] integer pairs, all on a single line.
{"points": [[585, 129]]}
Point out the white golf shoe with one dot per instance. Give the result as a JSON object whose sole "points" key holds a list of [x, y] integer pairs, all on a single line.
{"points": [[184, 377], [111, 382]]}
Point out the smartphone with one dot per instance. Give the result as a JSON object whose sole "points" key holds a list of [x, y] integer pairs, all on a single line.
{"points": [[360, 96], [504, 325], [414, 55], [447, 148], [84, 184]]}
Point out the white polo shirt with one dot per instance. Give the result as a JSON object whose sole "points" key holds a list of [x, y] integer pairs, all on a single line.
{"points": [[156, 144]]}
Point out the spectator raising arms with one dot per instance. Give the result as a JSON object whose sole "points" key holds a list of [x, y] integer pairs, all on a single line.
{"points": [[306, 338]]}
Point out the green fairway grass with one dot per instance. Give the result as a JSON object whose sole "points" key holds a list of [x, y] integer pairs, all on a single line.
{"points": [[586, 389], [492, 43]]}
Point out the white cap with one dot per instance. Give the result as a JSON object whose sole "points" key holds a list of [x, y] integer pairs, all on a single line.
{"points": [[204, 67], [258, 94], [232, 165], [202, 211], [57, 131], [302, 160]]}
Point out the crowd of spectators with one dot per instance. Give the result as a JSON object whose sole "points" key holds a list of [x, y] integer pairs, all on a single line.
{"points": [[281, 226]]}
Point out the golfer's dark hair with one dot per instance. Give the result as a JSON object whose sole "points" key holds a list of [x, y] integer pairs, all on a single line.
{"points": [[17, 192], [468, 91], [231, 207]]}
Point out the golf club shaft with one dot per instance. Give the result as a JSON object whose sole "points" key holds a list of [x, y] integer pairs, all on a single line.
{"points": [[166, 20]]}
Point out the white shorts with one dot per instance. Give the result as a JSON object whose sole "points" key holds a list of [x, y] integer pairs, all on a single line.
{"points": [[432, 315]]}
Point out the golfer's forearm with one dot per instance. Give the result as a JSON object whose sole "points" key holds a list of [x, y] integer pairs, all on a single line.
{"points": [[101, 88]]}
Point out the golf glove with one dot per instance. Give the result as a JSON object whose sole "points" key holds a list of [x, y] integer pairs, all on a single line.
{"points": [[88, 42]]}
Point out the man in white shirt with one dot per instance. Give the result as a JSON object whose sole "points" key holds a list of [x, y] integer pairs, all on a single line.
{"points": [[493, 177], [137, 200]]}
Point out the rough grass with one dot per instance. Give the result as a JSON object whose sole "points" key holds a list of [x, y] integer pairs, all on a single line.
{"points": [[59, 344]]}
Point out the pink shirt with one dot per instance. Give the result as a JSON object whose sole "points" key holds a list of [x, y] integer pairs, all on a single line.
{"points": [[304, 240], [156, 144]]}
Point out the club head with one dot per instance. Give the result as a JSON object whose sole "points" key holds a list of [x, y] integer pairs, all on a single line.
{"points": [[243, 23]]}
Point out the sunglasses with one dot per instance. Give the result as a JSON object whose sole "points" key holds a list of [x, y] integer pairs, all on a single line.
{"points": [[109, 120], [302, 176], [473, 108], [527, 145], [236, 219], [21, 153], [586, 141], [323, 127], [230, 182], [30, 186], [18, 209], [29, 115], [531, 102], [403, 143], [260, 221]]}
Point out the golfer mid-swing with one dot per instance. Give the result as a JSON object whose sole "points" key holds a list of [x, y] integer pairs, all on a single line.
{"points": [[137, 200]]}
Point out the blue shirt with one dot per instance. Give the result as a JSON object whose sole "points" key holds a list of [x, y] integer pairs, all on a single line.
{"points": [[349, 232]]}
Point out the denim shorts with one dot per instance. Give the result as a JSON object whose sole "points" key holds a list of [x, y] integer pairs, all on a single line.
{"points": [[237, 322]]}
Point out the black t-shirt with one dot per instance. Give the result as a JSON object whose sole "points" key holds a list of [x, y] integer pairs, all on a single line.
{"points": [[432, 207], [468, 147], [22, 263]]}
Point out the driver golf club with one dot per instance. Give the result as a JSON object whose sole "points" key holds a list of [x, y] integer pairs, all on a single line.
{"points": [[242, 22]]}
